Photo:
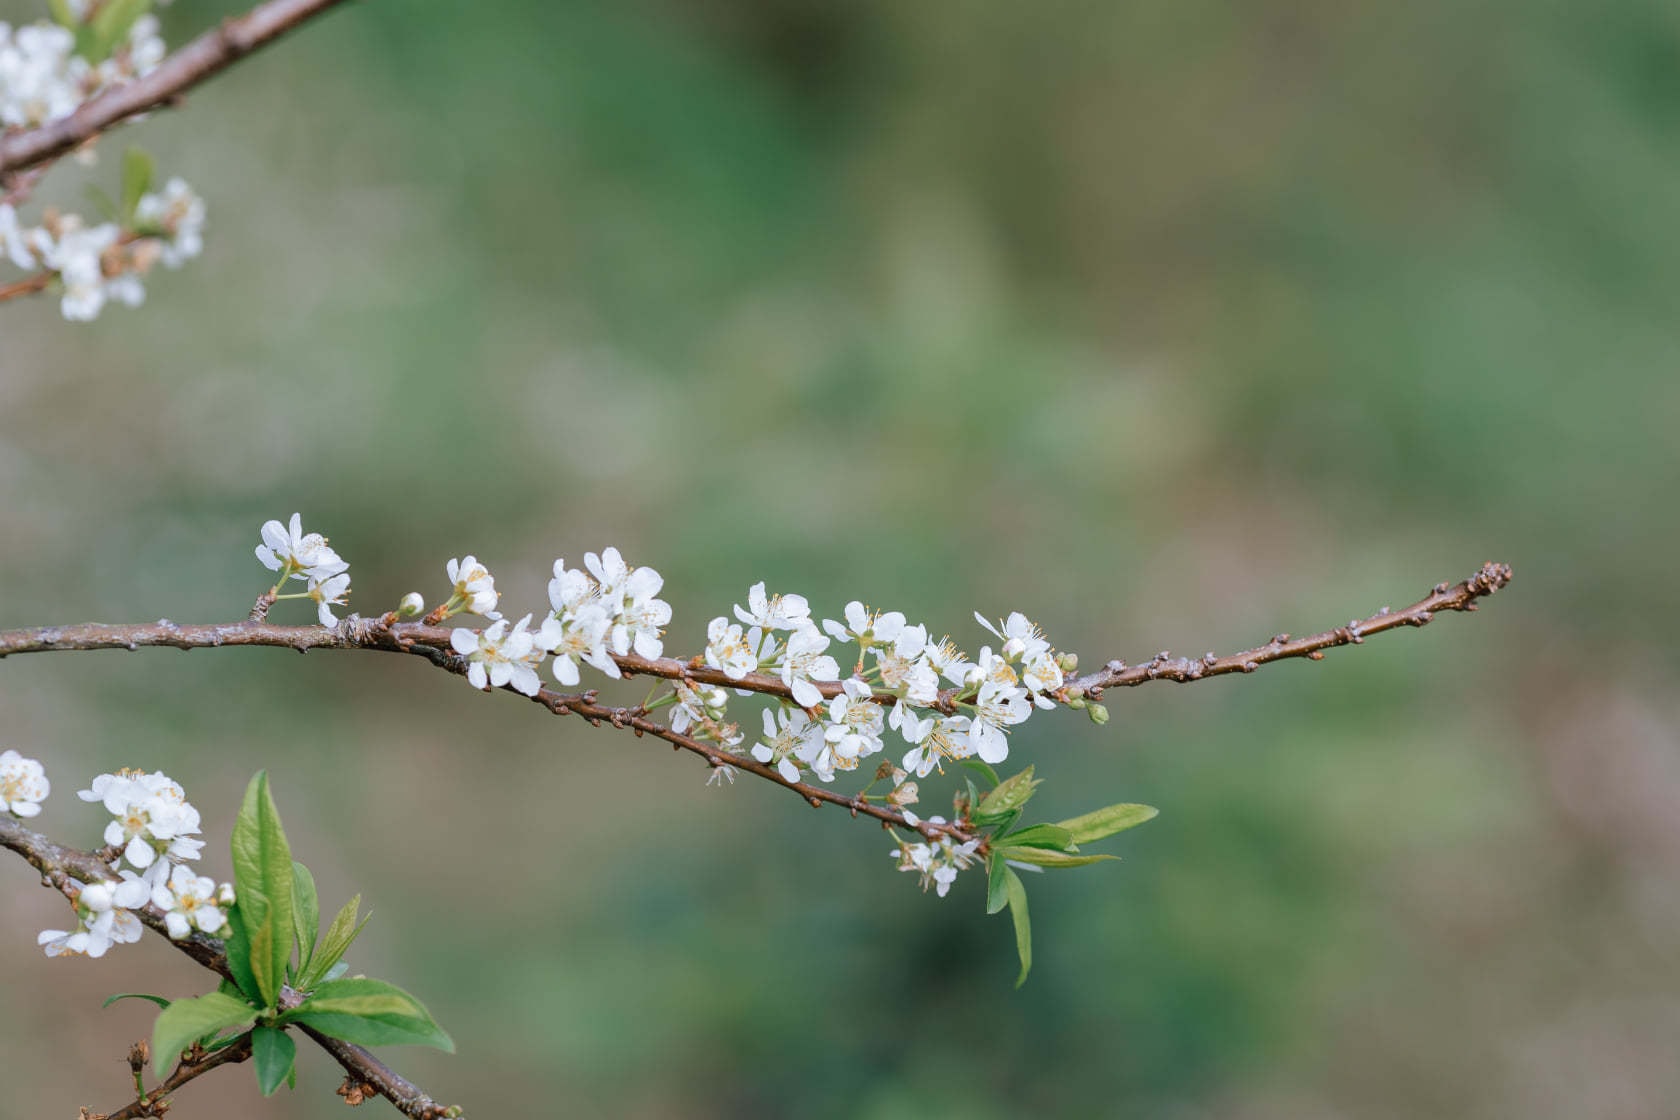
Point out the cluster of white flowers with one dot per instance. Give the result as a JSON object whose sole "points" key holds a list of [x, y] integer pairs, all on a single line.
{"points": [[938, 862], [153, 829], [287, 549], [42, 79], [991, 694], [103, 263], [608, 611], [603, 609]]}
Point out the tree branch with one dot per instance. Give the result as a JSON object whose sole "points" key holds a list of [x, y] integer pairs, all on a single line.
{"points": [[432, 642], [1163, 666], [58, 864], [201, 59]]}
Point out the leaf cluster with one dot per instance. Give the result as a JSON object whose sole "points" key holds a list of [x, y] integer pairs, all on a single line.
{"points": [[1034, 847], [285, 971]]}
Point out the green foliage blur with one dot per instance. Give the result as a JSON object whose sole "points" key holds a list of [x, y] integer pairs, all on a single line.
{"points": [[1171, 325]]}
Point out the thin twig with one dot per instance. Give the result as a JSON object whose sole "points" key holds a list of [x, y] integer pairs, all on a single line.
{"points": [[1163, 666], [156, 1103], [201, 59], [58, 864], [28, 286]]}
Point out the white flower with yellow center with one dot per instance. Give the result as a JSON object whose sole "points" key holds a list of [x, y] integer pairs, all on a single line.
{"points": [[23, 784], [804, 661], [728, 650], [189, 902], [499, 656], [786, 733]]}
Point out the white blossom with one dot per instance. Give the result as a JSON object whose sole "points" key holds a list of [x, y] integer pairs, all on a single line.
{"points": [[570, 590], [937, 863], [773, 612], [177, 216], [23, 784], [19, 243], [289, 550], [787, 732], [1025, 644], [950, 662], [905, 668], [610, 571], [864, 627], [728, 650], [701, 708], [153, 819], [473, 587], [103, 918], [641, 617], [851, 731], [189, 901], [582, 639], [996, 706], [499, 656], [804, 661], [328, 593], [41, 79]]}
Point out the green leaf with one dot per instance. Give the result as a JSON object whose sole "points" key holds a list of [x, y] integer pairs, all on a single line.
{"points": [[340, 934], [237, 945], [159, 1000], [1045, 857], [137, 170], [61, 14], [274, 1054], [1106, 822], [306, 914], [1010, 795], [186, 1020], [981, 767], [1017, 892], [262, 871], [370, 1013], [997, 897], [1040, 836], [110, 25], [1002, 823]]}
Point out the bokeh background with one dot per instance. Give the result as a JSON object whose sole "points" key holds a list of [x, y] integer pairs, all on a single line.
{"points": [[1172, 325]]}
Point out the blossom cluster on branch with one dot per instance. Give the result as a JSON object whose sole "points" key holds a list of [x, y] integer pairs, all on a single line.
{"points": [[148, 842], [609, 609], [48, 69]]}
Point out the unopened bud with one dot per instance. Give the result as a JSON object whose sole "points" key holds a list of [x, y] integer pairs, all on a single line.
{"points": [[412, 604], [1098, 714], [1069, 662], [1077, 702]]}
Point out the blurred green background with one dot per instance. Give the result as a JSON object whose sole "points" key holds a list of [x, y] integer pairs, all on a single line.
{"points": [[1171, 325]]}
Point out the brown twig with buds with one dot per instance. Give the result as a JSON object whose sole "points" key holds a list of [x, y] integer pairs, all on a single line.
{"points": [[1163, 666]]}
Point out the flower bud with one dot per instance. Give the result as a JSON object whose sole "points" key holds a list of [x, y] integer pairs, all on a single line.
{"points": [[1077, 702], [412, 604], [1098, 714], [1069, 662]]}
